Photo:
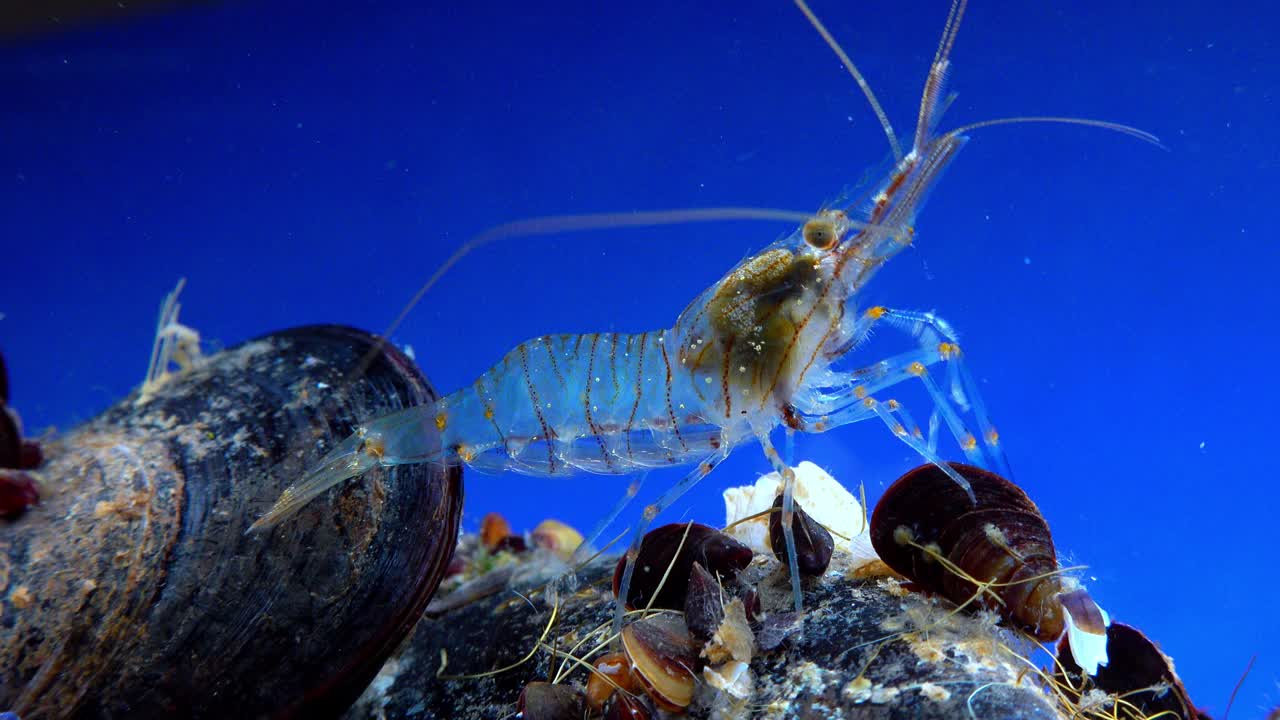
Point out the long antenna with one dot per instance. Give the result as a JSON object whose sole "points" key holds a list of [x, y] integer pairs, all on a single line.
{"points": [[567, 223], [937, 78], [857, 76], [1132, 132]]}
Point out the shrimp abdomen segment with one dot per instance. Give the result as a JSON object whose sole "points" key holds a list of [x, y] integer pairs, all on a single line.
{"points": [[607, 403]]}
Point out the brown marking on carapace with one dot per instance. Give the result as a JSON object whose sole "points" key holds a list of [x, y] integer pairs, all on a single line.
{"points": [[790, 418], [742, 279], [817, 349], [791, 344], [894, 185], [726, 356], [487, 398], [586, 403], [702, 352], [537, 408], [635, 405], [551, 353], [613, 367], [675, 427]]}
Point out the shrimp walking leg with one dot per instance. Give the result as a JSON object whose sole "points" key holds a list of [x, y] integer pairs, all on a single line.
{"points": [[936, 335], [788, 513], [700, 471], [568, 580]]}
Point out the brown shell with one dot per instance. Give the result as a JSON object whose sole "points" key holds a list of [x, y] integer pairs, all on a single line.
{"points": [[493, 530], [717, 552], [133, 591], [703, 611], [545, 701], [664, 657], [1134, 663], [934, 510], [617, 669]]}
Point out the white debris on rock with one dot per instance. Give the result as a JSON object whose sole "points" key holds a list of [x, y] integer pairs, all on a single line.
{"points": [[936, 693], [821, 496], [733, 677]]}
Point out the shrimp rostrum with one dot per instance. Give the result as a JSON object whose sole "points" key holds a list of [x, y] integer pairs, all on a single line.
{"points": [[765, 346]]}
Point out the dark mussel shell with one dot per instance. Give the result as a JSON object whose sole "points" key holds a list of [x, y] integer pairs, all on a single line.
{"points": [[10, 440], [140, 594], [17, 493], [664, 658], [717, 552], [814, 543], [703, 610], [1134, 663], [18, 490], [934, 510]]}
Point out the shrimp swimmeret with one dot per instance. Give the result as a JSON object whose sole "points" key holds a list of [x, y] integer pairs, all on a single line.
{"points": [[764, 347]]}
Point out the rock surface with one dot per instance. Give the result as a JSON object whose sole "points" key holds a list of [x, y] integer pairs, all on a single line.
{"points": [[868, 649]]}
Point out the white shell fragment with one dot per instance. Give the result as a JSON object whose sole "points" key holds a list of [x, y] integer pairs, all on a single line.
{"points": [[733, 677], [1087, 625], [821, 496]]}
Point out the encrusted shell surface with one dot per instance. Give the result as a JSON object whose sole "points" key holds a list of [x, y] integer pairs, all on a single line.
{"points": [[133, 591], [1003, 538]]}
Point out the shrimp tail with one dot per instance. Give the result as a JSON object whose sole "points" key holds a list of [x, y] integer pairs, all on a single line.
{"points": [[402, 437]]}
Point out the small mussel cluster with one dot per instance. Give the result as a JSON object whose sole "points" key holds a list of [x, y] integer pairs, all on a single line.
{"points": [[995, 551], [663, 656], [18, 456]]}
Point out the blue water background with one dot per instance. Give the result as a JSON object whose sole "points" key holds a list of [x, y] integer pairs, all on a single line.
{"points": [[1116, 301]]}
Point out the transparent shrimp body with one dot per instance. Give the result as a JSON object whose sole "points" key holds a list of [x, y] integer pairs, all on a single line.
{"points": [[766, 345]]}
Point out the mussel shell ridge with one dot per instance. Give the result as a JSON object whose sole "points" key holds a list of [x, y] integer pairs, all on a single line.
{"points": [[133, 591], [934, 509]]}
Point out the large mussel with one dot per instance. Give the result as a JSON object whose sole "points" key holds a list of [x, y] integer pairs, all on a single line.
{"points": [[926, 527], [133, 591]]}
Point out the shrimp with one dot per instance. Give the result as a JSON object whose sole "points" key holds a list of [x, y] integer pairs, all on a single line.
{"points": [[767, 346]]}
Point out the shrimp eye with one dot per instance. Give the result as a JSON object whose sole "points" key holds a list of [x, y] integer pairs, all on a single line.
{"points": [[820, 233]]}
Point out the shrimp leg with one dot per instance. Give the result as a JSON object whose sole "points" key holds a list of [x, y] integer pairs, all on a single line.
{"points": [[938, 341], [788, 512], [568, 580], [701, 470]]}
